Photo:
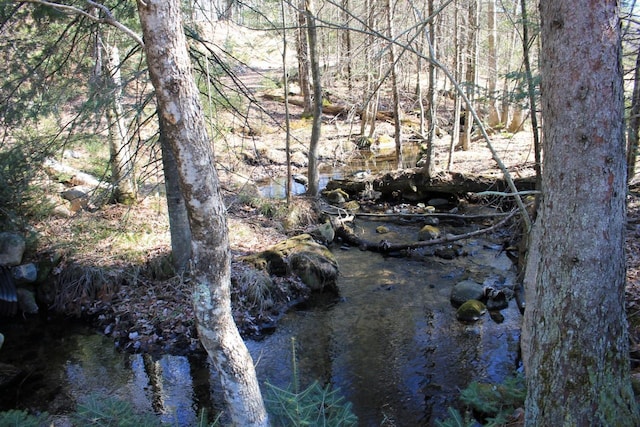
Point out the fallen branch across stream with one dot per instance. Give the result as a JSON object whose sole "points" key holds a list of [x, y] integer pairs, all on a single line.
{"points": [[384, 246]]}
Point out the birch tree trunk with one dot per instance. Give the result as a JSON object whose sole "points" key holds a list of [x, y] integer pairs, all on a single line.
{"points": [[575, 341], [184, 126]]}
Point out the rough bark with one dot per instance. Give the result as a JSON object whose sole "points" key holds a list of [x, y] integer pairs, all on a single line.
{"points": [[184, 126], [575, 342]]}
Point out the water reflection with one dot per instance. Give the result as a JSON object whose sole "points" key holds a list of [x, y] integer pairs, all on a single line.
{"points": [[390, 343], [66, 363]]}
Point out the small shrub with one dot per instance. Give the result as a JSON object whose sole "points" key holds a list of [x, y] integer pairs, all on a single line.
{"points": [[111, 412], [15, 418]]}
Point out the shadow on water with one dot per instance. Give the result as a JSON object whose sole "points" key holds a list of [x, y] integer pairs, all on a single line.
{"points": [[391, 343]]}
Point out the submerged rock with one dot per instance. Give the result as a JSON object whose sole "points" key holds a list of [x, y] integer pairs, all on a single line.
{"points": [[471, 311], [466, 290]]}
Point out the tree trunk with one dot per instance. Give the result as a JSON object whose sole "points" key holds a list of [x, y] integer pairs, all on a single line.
{"points": [[312, 168], [492, 78], [575, 342], [122, 159], [184, 125], [304, 67], [432, 93], [397, 123], [634, 123], [176, 207], [471, 60]]}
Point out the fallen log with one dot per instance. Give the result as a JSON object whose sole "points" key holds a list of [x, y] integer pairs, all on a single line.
{"points": [[414, 185], [384, 246]]}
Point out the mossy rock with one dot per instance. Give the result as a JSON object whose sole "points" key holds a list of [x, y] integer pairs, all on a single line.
{"points": [[381, 229], [471, 311], [428, 232], [301, 255], [336, 196], [351, 206]]}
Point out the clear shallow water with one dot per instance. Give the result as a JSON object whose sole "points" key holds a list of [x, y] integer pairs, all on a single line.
{"points": [[390, 343]]}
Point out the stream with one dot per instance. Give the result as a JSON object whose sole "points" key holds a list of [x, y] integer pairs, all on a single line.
{"points": [[390, 343]]}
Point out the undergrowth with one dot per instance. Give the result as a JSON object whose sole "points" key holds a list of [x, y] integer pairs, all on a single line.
{"points": [[492, 405], [313, 406]]}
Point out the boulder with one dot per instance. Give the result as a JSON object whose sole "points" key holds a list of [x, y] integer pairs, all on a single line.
{"points": [[336, 196], [466, 290], [12, 247], [301, 255]]}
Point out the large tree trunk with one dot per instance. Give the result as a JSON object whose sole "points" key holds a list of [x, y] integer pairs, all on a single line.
{"points": [[575, 342], [184, 126]]}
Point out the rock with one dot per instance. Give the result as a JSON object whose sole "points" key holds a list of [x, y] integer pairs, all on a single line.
{"points": [[381, 229], [471, 311], [438, 202], [25, 273], [428, 232], [78, 197], [432, 220], [336, 196], [27, 301], [301, 255], [351, 206], [496, 299], [324, 233], [12, 247], [446, 252], [466, 290], [300, 179]]}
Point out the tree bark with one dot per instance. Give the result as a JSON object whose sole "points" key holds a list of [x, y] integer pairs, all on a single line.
{"points": [[492, 78], [312, 168], [176, 208], [397, 123], [122, 159], [575, 342], [184, 125], [304, 67], [633, 126]]}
